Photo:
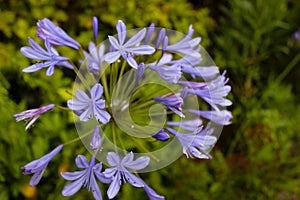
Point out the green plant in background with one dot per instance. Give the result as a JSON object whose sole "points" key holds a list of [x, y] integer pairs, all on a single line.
{"points": [[254, 41]]}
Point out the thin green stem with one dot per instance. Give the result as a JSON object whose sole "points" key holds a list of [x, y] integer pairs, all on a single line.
{"points": [[145, 149], [114, 136], [79, 138], [288, 68]]}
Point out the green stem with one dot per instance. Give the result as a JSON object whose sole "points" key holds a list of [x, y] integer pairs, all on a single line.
{"points": [[79, 138], [145, 149], [288, 68]]}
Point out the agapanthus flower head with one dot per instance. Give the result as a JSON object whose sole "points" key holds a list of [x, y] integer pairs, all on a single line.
{"points": [[119, 171], [86, 178], [127, 49], [50, 57], [32, 114], [38, 167], [56, 36], [138, 83], [92, 105]]}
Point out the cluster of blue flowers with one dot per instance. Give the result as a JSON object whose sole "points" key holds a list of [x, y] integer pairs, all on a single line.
{"points": [[194, 133]]}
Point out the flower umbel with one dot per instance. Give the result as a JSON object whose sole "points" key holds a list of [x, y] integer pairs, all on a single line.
{"points": [[147, 89]]}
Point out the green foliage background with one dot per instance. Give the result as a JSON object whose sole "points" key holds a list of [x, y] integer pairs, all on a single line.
{"points": [[257, 157]]}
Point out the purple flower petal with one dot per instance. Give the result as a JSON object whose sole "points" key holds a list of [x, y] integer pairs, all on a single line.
{"points": [[138, 164], [81, 161], [138, 37], [114, 187], [111, 57], [121, 29], [113, 159]]}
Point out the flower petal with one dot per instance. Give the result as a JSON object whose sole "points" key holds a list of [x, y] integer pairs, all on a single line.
{"points": [[96, 91], [35, 179], [72, 176], [73, 187], [114, 42], [138, 37], [111, 57], [133, 180], [114, 187], [121, 29], [141, 50], [139, 163], [76, 105], [81, 162], [113, 159]]}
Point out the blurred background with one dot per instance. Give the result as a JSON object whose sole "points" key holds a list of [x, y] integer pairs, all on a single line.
{"points": [[257, 157]]}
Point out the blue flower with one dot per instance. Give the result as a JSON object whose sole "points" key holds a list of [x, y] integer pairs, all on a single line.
{"points": [[119, 172], [95, 58], [32, 114], [56, 36], [214, 92], [85, 178], [219, 117], [195, 144], [170, 73], [92, 104], [38, 167], [187, 45], [51, 57], [129, 49], [173, 102], [96, 139]]}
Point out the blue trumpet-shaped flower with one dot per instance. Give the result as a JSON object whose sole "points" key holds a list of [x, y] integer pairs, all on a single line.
{"points": [[95, 58], [92, 105], [86, 178], [32, 114], [56, 36], [38, 167], [50, 57], [119, 172], [213, 92], [129, 49], [172, 102], [195, 144], [169, 72]]}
